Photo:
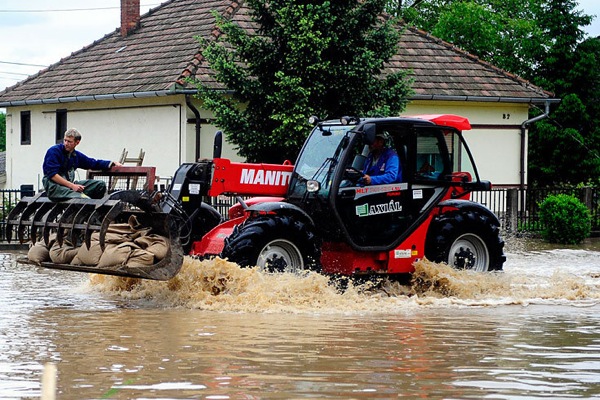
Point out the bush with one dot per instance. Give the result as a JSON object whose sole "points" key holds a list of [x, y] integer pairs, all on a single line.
{"points": [[565, 219]]}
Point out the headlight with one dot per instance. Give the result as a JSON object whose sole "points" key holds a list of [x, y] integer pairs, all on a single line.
{"points": [[312, 186]]}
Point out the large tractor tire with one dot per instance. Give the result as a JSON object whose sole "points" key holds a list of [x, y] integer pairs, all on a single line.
{"points": [[466, 240], [275, 243]]}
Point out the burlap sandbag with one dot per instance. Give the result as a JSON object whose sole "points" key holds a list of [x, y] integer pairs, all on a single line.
{"points": [[62, 254], [115, 235], [39, 252], [155, 244], [117, 255], [89, 256], [140, 258], [76, 260], [123, 232]]}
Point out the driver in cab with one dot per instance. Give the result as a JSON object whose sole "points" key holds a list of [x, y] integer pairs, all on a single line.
{"points": [[383, 164]]}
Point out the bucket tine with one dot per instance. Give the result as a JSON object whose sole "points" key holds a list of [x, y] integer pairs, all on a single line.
{"points": [[11, 221], [39, 219], [25, 217], [21, 214], [110, 216], [50, 220], [77, 226], [96, 218], [65, 221]]}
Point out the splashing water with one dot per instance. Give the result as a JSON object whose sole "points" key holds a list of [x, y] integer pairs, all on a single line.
{"points": [[220, 285]]}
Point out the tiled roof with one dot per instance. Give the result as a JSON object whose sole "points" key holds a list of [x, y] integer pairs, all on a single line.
{"points": [[441, 69], [163, 50]]}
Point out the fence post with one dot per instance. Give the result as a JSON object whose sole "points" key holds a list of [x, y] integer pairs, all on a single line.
{"points": [[512, 210], [587, 198]]}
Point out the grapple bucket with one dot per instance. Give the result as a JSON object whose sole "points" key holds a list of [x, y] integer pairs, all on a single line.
{"points": [[128, 223]]}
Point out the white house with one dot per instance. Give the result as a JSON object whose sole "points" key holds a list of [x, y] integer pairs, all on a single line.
{"points": [[127, 90]]}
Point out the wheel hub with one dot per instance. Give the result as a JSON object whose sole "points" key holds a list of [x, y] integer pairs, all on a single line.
{"points": [[281, 255], [276, 263], [469, 252], [464, 258]]}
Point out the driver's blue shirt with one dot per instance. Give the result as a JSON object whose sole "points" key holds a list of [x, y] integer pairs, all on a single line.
{"points": [[386, 169]]}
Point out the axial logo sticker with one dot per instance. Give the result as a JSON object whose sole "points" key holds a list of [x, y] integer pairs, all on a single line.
{"points": [[367, 209]]}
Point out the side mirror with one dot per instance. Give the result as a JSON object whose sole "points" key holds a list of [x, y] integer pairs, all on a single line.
{"points": [[479, 185], [218, 144], [369, 131]]}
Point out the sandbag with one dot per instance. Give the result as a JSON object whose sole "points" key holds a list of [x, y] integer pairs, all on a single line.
{"points": [[90, 256], [140, 258], [155, 244], [63, 254], [117, 255], [40, 252], [122, 232], [76, 260]]}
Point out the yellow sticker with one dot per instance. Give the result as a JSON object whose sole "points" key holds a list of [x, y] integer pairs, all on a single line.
{"points": [[185, 198]]}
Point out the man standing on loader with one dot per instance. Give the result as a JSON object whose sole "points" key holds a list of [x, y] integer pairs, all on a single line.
{"points": [[59, 167]]}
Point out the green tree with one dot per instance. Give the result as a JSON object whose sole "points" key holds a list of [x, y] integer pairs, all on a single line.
{"points": [[543, 42], [568, 67], [321, 58], [2, 131], [563, 154], [504, 33]]}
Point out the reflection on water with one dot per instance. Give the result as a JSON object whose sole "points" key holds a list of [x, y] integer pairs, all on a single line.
{"points": [[220, 332]]}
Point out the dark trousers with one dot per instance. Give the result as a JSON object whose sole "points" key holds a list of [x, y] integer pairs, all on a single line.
{"points": [[94, 189]]}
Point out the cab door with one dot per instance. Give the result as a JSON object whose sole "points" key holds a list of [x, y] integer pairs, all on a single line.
{"points": [[383, 215], [374, 215]]}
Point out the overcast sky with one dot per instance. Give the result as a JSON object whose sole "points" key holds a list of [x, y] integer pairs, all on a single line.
{"points": [[37, 33]]}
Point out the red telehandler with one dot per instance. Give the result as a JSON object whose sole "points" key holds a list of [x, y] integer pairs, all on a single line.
{"points": [[313, 215]]}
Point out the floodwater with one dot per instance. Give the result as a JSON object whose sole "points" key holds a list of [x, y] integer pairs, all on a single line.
{"points": [[220, 332]]}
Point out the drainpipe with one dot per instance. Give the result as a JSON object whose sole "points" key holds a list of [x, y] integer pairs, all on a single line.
{"points": [[198, 123], [524, 126]]}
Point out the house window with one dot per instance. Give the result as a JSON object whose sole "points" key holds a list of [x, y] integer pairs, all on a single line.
{"points": [[61, 125], [25, 127]]}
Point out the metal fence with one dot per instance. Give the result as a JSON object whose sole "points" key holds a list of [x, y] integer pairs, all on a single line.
{"points": [[10, 198], [517, 210]]}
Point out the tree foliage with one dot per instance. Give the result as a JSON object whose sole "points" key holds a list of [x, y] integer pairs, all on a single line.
{"points": [[321, 58], [543, 42]]}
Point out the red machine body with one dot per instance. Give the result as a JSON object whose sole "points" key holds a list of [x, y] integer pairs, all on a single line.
{"points": [[340, 250]]}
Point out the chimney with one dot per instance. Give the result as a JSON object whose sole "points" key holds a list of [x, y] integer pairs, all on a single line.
{"points": [[130, 16]]}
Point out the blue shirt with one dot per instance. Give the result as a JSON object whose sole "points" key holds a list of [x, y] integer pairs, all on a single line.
{"points": [[386, 168], [58, 161]]}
